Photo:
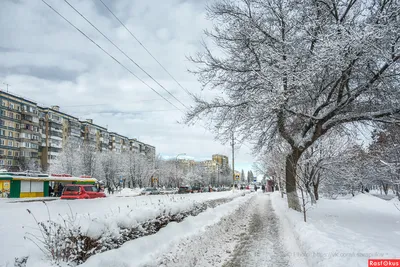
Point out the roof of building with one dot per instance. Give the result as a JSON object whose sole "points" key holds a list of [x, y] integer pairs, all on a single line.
{"points": [[120, 135], [95, 125], [59, 112], [17, 96]]}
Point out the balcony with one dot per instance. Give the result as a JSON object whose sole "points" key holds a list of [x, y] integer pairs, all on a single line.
{"points": [[26, 111]]}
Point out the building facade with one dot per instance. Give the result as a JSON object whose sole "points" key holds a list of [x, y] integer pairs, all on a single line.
{"points": [[95, 136], [221, 160], [19, 132], [145, 149], [31, 137], [56, 130]]}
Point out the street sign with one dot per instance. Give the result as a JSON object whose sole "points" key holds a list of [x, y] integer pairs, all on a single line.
{"points": [[255, 180]]}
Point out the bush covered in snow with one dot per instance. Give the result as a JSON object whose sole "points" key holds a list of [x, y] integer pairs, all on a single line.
{"points": [[74, 238]]}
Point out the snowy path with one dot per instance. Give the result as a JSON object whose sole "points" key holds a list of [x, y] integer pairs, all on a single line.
{"points": [[250, 236], [262, 244]]}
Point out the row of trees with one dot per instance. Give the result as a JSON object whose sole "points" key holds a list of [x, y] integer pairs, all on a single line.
{"points": [[293, 75], [130, 169], [340, 164]]}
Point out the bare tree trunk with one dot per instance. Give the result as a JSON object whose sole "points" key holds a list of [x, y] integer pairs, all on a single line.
{"points": [[316, 186], [308, 188], [304, 205], [291, 172], [385, 188], [280, 185]]}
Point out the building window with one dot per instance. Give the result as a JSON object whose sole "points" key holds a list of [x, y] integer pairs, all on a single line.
{"points": [[2, 142], [2, 132], [9, 153], [1, 123], [10, 143], [9, 162], [18, 116], [1, 152], [12, 105], [1, 162], [3, 103], [10, 134], [16, 153], [17, 125]]}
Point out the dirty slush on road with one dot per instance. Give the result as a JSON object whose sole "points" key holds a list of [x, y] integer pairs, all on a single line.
{"points": [[262, 244]]}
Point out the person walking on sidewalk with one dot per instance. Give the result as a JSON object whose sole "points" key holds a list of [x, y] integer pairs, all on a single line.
{"points": [[263, 188]]}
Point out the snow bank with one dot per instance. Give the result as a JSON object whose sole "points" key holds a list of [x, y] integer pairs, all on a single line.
{"points": [[94, 216], [145, 249], [343, 232], [125, 192]]}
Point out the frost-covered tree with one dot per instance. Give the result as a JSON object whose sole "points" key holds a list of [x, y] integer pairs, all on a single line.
{"points": [[242, 177], [384, 154], [319, 161], [68, 161], [297, 70]]}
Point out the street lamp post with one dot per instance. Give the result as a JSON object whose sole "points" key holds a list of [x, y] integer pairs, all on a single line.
{"points": [[176, 166]]}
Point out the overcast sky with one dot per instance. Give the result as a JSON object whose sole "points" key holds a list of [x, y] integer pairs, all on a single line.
{"points": [[45, 59]]}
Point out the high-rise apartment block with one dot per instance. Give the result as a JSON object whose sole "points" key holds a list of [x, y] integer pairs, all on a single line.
{"points": [[32, 136]]}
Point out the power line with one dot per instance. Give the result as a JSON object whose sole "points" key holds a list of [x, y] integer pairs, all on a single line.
{"points": [[119, 49], [144, 47], [91, 105], [124, 112], [102, 49]]}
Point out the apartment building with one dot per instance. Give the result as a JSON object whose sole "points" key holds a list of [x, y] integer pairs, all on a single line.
{"points": [[145, 149], [119, 143], [96, 136], [33, 137], [19, 132], [222, 161], [56, 129]]}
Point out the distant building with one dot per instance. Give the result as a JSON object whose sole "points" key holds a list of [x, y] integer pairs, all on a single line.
{"points": [[143, 149], [222, 160]]}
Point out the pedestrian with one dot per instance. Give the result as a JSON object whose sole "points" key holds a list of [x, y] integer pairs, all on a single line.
{"points": [[255, 188], [60, 189], [56, 190], [263, 188], [50, 191]]}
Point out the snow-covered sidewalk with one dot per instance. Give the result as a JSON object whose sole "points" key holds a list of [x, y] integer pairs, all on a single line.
{"points": [[344, 232], [262, 244]]}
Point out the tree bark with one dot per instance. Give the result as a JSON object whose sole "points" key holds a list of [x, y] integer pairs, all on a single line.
{"points": [[291, 173], [308, 188], [315, 186]]}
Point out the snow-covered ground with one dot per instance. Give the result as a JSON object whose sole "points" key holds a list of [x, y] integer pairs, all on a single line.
{"points": [[93, 215], [344, 232], [125, 192]]}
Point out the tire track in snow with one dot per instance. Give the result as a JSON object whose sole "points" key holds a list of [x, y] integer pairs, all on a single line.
{"points": [[262, 245], [211, 247]]}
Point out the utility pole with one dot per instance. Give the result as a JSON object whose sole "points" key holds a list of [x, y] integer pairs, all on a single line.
{"points": [[233, 160]]}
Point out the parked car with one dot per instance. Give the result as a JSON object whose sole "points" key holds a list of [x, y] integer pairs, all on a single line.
{"points": [[196, 189], [168, 191], [184, 190], [81, 191], [206, 190], [150, 191]]}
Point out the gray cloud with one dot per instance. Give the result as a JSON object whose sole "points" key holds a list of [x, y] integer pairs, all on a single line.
{"points": [[47, 60]]}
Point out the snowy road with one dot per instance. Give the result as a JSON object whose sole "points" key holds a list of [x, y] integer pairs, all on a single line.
{"points": [[262, 244], [248, 237]]}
